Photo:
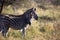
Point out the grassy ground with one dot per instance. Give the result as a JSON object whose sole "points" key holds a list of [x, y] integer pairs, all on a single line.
{"points": [[46, 28]]}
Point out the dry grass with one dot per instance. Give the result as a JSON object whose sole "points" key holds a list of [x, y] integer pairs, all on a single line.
{"points": [[43, 29]]}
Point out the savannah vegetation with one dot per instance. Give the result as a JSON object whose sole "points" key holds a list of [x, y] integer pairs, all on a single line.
{"points": [[47, 27]]}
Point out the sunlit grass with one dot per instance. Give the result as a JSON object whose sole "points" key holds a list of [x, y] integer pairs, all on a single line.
{"points": [[42, 29]]}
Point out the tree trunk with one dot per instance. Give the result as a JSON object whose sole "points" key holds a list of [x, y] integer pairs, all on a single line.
{"points": [[2, 4]]}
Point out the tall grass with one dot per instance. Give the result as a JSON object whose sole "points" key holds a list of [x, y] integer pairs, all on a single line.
{"points": [[42, 29]]}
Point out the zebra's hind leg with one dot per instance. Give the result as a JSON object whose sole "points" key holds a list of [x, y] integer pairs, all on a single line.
{"points": [[4, 31], [0, 29]]}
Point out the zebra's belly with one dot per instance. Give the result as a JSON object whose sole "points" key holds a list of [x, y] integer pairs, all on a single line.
{"points": [[19, 26]]}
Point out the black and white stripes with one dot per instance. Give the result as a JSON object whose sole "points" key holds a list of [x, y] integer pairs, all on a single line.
{"points": [[17, 22]]}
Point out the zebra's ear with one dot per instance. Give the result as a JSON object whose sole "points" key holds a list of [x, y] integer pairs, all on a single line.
{"points": [[34, 9]]}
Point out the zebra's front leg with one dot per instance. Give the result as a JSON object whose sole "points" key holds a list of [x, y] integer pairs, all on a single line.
{"points": [[23, 31]]}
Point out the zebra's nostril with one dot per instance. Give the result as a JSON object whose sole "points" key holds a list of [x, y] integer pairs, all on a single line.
{"points": [[36, 18]]}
